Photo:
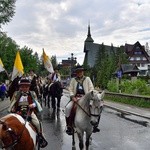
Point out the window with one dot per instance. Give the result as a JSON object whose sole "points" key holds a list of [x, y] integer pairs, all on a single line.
{"points": [[142, 65], [137, 52], [142, 72]]}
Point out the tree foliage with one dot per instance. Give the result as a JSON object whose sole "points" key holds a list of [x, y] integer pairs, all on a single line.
{"points": [[7, 11], [30, 60], [107, 62]]}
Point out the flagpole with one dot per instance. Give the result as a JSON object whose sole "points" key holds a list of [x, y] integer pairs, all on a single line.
{"points": [[7, 75], [3, 69]]}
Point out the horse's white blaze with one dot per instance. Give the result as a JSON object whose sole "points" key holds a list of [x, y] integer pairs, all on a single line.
{"points": [[99, 96], [29, 128]]}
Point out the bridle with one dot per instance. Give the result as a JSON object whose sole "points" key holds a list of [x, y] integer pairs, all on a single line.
{"points": [[14, 137], [89, 114], [12, 134], [98, 114]]}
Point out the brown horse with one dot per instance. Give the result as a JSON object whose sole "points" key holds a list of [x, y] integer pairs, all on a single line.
{"points": [[16, 133], [37, 88]]}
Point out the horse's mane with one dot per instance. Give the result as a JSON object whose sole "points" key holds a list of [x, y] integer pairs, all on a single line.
{"points": [[85, 100]]}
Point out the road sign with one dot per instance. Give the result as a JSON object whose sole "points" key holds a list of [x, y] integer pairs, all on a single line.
{"points": [[119, 74]]}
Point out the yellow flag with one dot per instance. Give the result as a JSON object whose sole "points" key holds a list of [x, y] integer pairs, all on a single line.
{"points": [[1, 66], [47, 63], [18, 69]]}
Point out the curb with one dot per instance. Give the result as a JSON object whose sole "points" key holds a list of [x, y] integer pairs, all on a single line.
{"points": [[123, 111]]}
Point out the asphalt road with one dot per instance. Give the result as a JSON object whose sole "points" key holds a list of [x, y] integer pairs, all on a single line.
{"points": [[116, 133]]}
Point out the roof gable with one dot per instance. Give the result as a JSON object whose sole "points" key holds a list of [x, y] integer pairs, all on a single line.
{"points": [[129, 68]]}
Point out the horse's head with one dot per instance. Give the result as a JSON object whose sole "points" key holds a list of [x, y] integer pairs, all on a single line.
{"points": [[96, 105], [15, 132], [7, 136]]}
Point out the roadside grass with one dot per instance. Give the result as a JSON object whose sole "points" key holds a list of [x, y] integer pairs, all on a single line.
{"points": [[139, 103]]}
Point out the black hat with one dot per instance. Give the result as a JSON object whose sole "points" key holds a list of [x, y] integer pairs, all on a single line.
{"points": [[24, 81], [79, 68]]}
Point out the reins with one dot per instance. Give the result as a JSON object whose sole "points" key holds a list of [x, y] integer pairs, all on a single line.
{"points": [[86, 111], [19, 136], [82, 108]]}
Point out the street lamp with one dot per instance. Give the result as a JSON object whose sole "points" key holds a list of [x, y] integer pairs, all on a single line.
{"points": [[72, 62]]}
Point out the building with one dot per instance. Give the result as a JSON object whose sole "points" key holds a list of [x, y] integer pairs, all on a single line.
{"points": [[91, 49], [137, 54]]}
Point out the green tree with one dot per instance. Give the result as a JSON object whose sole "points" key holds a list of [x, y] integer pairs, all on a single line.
{"points": [[7, 11], [30, 61], [54, 61], [8, 49]]}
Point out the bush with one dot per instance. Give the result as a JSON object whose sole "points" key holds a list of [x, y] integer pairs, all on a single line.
{"points": [[138, 86], [112, 86]]}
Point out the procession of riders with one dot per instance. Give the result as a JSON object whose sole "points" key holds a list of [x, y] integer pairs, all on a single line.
{"points": [[26, 95]]}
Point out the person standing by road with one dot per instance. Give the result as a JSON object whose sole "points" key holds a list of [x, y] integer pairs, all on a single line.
{"points": [[3, 91], [79, 86]]}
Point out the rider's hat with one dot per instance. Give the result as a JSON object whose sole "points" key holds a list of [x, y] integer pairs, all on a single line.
{"points": [[79, 68], [24, 81]]}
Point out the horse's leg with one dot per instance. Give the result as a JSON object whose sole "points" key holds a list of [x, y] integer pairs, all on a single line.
{"points": [[40, 100], [44, 97], [73, 141], [53, 102], [48, 100], [80, 136], [58, 102], [88, 138]]}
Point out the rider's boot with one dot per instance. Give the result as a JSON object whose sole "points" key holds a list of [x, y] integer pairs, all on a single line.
{"points": [[42, 141], [69, 127]]}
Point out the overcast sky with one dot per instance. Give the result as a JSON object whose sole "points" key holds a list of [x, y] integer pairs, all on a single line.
{"points": [[61, 26]]}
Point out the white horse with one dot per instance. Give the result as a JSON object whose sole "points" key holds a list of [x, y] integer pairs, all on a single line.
{"points": [[88, 113]]}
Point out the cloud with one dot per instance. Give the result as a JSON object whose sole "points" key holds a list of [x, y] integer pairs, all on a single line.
{"points": [[60, 26]]}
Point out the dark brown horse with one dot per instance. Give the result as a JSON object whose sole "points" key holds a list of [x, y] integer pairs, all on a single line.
{"points": [[56, 92], [14, 86]]}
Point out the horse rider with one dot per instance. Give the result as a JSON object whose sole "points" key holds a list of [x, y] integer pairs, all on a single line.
{"points": [[31, 75], [55, 77], [24, 102], [79, 86]]}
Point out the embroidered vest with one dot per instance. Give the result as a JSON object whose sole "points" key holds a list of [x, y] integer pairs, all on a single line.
{"points": [[80, 88], [22, 103]]}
